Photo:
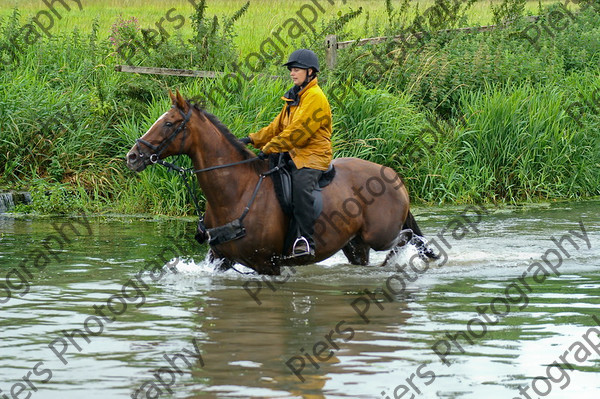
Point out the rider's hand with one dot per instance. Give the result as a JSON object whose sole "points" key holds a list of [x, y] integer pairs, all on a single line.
{"points": [[262, 155]]}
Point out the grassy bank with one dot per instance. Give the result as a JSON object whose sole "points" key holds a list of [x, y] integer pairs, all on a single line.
{"points": [[268, 14], [463, 118]]}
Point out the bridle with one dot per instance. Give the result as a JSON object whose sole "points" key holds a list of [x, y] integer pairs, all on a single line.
{"points": [[159, 149], [228, 232]]}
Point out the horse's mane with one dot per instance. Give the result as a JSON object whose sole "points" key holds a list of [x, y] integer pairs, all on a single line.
{"points": [[231, 138]]}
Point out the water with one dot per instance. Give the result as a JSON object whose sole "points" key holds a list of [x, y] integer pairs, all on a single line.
{"points": [[6, 202], [244, 347], [9, 199]]}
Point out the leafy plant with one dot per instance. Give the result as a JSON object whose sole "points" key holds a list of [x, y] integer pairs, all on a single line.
{"points": [[124, 31], [507, 10], [212, 41]]}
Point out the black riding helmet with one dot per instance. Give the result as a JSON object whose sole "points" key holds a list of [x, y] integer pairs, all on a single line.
{"points": [[303, 58]]}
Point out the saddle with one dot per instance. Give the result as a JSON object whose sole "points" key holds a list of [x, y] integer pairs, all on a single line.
{"points": [[282, 181]]}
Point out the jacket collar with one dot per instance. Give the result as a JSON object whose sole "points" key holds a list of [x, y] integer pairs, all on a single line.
{"points": [[292, 96]]}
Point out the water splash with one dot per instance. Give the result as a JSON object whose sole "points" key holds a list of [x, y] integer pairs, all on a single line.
{"points": [[206, 267]]}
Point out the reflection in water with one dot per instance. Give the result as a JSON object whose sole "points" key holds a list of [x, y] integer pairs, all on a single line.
{"points": [[306, 339], [289, 328]]}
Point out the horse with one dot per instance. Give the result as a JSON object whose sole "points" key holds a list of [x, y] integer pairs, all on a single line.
{"points": [[366, 206]]}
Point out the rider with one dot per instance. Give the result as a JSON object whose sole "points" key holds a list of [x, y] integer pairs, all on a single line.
{"points": [[303, 129]]}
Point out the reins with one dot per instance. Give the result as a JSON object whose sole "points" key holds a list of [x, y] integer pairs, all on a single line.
{"points": [[194, 171], [184, 172]]}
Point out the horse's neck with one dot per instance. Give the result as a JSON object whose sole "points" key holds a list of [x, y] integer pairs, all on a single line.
{"points": [[223, 188]]}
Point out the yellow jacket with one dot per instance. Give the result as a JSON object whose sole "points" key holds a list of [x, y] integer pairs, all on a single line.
{"points": [[304, 131]]}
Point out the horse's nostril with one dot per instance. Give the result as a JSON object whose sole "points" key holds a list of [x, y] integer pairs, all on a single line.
{"points": [[131, 156]]}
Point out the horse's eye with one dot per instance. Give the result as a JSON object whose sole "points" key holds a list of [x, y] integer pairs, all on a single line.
{"points": [[169, 124]]}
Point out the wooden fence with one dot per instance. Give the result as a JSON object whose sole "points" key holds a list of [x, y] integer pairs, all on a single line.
{"points": [[180, 72], [332, 45], [331, 49], [168, 71]]}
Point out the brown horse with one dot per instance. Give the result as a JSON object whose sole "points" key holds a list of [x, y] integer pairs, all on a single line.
{"points": [[365, 206]]}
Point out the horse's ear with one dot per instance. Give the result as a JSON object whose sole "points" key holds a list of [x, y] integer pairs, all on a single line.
{"points": [[173, 98], [180, 101]]}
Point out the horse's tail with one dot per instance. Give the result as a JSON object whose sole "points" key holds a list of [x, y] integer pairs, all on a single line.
{"points": [[411, 223], [417, 239]]}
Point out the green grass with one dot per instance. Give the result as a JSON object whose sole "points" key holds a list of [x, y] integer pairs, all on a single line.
{"points": [[520, 143], [257, 24], [67, 119]]}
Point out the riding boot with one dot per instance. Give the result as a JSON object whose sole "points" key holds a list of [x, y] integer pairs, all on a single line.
{"points": [[304, 181]]}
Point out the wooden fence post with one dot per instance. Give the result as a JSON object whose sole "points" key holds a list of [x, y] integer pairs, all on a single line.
{"points": [[331, 51]]}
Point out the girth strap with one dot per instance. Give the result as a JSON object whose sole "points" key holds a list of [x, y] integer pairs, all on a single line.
{"points": [[235, 229]]}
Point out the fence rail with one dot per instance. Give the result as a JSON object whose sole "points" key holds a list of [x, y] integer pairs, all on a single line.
{"points": [[331, 48], [180, 72], [332, 45], [168, 71]]}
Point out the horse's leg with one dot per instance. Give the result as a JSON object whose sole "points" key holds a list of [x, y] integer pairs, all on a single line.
{"points": [[357, 251], [273, 269], [225, 264], [404, 237], [389, 256], [425, 252], [412, 234], [213, 255]]}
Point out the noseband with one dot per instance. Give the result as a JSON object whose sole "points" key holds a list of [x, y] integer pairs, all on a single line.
{"points": [[158, 149]]}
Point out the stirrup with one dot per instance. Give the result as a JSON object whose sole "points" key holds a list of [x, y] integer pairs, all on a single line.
{"points": [[307, 251]]}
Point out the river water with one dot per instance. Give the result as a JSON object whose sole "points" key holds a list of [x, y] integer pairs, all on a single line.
{"points": [[82, 314]]}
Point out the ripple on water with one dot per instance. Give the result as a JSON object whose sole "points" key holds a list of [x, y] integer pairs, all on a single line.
{"points": [[245, 346]]}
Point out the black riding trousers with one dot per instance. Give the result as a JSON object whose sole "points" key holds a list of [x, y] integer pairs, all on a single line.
{"points": [[304, 182]]}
